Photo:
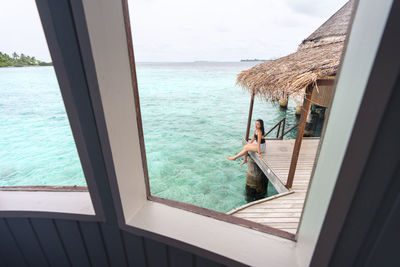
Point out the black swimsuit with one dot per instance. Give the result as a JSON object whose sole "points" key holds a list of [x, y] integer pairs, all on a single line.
{"points": [[262, 139]]}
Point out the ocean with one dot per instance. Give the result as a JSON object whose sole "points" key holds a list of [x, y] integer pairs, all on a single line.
{"points": [[193, 114]]}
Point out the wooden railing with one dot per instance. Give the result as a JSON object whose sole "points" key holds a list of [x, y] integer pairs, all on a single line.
{"points": [[280, 133]]}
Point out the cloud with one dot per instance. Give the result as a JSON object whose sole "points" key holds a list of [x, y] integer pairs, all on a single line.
{"points": [[225, 29], [314, 8], [190, 29], [309, 7]]}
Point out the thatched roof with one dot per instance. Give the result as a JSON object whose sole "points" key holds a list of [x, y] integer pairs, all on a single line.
{"points": [[317, 57]]}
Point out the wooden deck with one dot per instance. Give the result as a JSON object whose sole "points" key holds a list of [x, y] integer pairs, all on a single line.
{"points": [[282, 211]]}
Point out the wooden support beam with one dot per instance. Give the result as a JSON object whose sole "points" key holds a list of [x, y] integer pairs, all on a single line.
{"points": [[250, 115], [283, 128], [299, 137], [279, 128]]}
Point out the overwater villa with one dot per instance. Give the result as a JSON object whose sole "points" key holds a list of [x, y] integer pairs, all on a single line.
{"points": [[351, 214], [308, 75]]}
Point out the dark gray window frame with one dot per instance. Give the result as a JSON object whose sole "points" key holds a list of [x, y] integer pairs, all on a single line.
{"points": [[94, 145], [60, 28]]}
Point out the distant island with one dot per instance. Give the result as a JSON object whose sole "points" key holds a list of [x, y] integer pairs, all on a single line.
{"points": [[247, 60], [20, 61]]}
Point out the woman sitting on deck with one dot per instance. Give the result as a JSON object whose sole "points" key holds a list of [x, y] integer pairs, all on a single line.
{"points": [[258, 146]]}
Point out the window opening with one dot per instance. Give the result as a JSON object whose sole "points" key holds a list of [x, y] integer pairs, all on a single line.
{"points": [[193, 115], [36, 143]]}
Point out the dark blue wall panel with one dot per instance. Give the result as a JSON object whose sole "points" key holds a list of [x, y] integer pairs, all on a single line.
{"points": [[179, 257], [51, 243], [29, 244], [9, 249], [153, 248], [134, 250], [202, 262], [95, 244], [114, 245], [73, 242], [44, 242]]}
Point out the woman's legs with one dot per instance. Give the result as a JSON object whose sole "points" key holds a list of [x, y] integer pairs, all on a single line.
{"points": [[246, 148], [244, 159]]}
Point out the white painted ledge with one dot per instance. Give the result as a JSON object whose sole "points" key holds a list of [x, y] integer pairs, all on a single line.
{"points": [[68, 205], [238, 243]]}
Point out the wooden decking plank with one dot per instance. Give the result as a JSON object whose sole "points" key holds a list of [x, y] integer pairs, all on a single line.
{"points": [[270, 215], [285, 225], [283, 212], [271, 210], [293, 231], [276, 220]]}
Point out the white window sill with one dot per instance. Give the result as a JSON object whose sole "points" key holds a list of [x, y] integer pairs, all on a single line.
{"points": [[62, 205], [238, 243]]}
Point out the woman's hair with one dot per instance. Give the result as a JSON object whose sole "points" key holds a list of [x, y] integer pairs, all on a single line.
{"points": [[262, 126]]}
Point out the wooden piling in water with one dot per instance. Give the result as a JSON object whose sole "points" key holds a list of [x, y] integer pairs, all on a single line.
{"points": [[283, 103], [298, 110], [256, 181]]}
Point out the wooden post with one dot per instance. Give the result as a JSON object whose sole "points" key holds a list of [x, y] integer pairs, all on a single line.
{"points": [[283, 128], [250, 115], [299, 137], [279, 128]]}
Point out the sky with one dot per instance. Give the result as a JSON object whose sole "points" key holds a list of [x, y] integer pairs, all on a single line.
{"points": [[189, 30], [21, 30]]}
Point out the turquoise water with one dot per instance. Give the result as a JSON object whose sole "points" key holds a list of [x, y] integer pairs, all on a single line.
{"points": [[36, 144], [193, 118]]}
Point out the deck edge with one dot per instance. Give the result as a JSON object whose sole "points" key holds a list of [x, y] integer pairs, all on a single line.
{"points": [[231, 212], [271, 176]]}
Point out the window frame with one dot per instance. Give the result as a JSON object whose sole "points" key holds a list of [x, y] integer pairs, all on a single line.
{"points": [[151, 218], [70, 75], [112, 143]]}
